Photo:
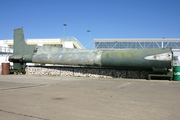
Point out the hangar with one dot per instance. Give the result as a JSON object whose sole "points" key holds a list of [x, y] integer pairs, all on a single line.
{"points": [[142, 43]]}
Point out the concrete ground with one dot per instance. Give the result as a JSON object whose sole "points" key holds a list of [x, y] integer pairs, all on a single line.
{"points": [[25, 97]]}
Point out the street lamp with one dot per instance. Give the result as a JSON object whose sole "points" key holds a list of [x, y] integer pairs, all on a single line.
{"points": [[64, 30], [89, 38]]}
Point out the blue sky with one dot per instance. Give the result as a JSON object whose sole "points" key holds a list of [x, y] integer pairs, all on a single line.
{"points": [[105, 18]]}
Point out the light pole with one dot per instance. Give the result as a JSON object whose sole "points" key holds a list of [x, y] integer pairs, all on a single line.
{"points": [[64, 30], [89, 38]]}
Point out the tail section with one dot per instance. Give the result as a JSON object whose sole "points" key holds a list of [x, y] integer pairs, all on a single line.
{"points": [[22, 52], [20, 46]]}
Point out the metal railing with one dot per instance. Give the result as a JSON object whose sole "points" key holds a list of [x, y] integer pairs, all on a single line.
{"points": [[6, 41], [43, 41], [74, 39], [47, 41], [5, 50]]}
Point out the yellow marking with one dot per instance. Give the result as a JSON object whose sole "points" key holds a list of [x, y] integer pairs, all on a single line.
{"points": [[120, 53]]}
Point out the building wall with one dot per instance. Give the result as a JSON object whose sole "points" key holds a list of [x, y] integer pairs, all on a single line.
{"points": [[136, 45]]}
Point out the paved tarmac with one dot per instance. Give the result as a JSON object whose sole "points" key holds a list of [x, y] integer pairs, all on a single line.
{"points": [[30, 97]]}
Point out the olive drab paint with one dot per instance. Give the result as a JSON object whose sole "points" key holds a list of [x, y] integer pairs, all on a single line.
{"points": [[145, 59]]}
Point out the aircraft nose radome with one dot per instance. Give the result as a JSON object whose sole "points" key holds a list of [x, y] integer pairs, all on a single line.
{"points": [[160, 57]]}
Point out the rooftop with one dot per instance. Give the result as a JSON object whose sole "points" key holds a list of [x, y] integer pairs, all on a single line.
{"points": [[137, 40]]}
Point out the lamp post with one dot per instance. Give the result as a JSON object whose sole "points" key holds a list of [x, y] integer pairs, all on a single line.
{"points": [[64, 30], [89, 38]]}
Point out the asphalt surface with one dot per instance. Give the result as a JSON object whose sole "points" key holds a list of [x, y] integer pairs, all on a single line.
{"points": [[30, 97]]}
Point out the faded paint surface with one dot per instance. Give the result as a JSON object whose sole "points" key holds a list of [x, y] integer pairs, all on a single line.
{"points": [[120, 53], [127, 59], [55, 55], [135, 58]]}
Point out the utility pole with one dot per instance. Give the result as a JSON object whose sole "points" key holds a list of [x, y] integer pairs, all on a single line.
{"points": [[89, 31], [64, 30]]}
